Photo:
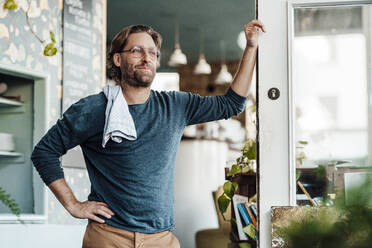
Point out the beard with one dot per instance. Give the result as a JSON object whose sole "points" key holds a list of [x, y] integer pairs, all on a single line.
{"points": [[137, 78]]}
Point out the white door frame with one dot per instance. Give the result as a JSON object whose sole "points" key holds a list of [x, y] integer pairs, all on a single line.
{"points": [[276, 144], [273, 142]]}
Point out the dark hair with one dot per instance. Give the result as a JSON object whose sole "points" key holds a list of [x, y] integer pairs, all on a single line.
{"points": [[119, 42]]}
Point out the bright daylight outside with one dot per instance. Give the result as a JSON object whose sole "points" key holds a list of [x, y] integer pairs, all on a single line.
{"points": [[331, 82]]}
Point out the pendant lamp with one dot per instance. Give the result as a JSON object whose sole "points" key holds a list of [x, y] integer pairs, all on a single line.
{"points": [[241, 40], [224, 75], [177, 58], [202, 67]]}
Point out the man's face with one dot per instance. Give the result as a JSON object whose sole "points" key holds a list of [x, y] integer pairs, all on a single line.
{"points": [[138, 71]]}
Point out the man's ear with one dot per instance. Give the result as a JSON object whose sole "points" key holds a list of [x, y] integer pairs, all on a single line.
{"points": [[117, 59], [158, 62]]}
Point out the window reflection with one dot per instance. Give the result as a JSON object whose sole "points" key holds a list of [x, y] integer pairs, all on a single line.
{"points": [[331, 85]]}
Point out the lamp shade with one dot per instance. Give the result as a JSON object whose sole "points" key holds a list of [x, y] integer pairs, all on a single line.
{"points": [[202, 67], [177, 58], [241, 40], [224, 75]]}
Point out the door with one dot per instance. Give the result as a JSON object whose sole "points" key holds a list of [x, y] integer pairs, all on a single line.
{"points": [[317, 55], [273, 118]]}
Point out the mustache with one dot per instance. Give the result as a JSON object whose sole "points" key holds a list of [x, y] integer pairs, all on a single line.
{"points": [[144, 65]]}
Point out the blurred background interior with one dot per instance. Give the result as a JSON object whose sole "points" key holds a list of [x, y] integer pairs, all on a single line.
{"points": [[202, 45], [330, 52]]}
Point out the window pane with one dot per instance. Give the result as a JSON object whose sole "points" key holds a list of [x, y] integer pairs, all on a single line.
{"points": [[331, 48]]}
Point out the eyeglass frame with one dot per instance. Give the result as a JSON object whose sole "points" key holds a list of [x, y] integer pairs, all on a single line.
{"points": [[144, 49]]}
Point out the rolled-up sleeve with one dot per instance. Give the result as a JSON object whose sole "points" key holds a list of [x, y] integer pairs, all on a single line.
{"points": [[67, 133], [201, 109]]}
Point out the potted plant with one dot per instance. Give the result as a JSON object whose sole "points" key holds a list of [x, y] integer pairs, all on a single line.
{"points": [[343, 225], [245, 163]]}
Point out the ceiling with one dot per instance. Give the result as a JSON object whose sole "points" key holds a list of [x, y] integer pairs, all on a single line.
{"points": [[218, 20]]}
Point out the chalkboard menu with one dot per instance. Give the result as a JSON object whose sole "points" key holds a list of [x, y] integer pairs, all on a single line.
{"points": [[77, 51], [78, 79]]}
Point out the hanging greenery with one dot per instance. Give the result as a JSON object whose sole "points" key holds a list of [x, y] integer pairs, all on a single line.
{"points": [[9, 202], [50, 48]]}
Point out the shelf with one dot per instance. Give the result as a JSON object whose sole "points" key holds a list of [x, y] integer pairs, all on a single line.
{"points": [[11, 157], [10, 154], [9, 103], [247, 187], [10, 106], [242, 178]]}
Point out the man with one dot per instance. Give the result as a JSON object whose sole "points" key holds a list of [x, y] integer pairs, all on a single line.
{"points": [[131, 199]]}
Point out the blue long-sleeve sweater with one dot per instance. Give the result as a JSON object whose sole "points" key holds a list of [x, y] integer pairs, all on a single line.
{"points": [[135, 178]]}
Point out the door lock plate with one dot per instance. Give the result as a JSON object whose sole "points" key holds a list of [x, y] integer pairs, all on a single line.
{"points": [[273, 93]]}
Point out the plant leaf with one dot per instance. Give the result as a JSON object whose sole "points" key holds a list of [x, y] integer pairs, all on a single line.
{"points": [[253, 199], [303, 142], [235, 168], [229, 188], [298, 174], [223, 203], [235, 185], [10, 5], [9, 203], [50, 50], [252, 151], [52, 37], [244, 245], [246, 169]]}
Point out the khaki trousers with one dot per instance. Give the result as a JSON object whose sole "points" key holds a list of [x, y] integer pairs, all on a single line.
{"points": [[99, 235]]}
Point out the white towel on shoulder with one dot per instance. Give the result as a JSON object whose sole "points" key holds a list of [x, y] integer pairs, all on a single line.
{"points": [[119, 123]]}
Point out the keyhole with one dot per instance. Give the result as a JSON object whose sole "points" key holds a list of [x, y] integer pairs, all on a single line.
{"points": [[273, 93]]}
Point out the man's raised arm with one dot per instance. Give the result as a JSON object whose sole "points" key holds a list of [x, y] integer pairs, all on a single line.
{"points": [[243, 78]]}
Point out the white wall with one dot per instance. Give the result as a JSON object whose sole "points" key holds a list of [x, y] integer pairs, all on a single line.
{"points": [[199, 171], [41, 236]]}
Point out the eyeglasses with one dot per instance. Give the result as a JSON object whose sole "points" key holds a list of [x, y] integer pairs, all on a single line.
{"points": [[139, 52]]}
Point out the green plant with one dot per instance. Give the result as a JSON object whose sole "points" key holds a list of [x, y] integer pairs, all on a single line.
{"points": [[244, 163], [300, 154], [344, 225], [49, 49], [9, 202]]}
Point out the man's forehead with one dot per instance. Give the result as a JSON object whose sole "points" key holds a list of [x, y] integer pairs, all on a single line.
{"points": [[140, 39]]}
